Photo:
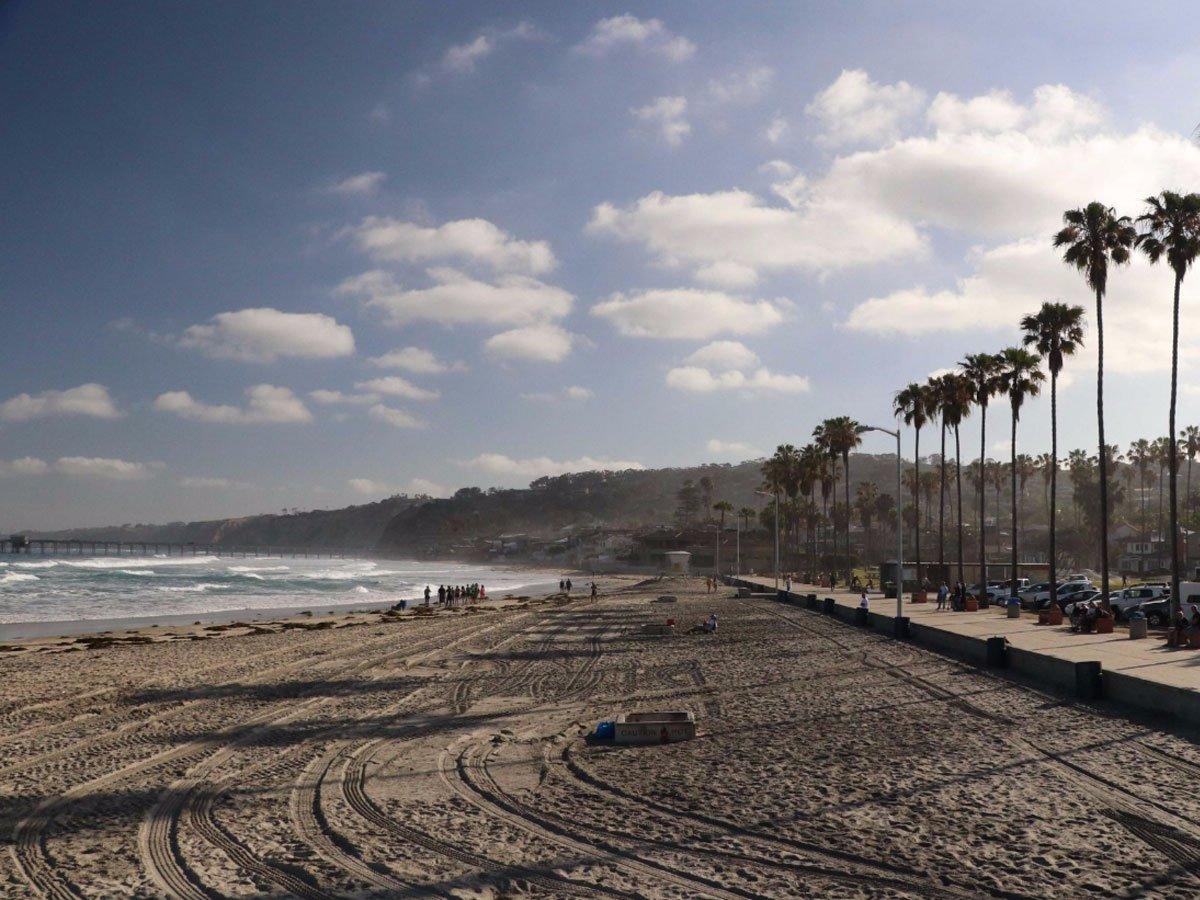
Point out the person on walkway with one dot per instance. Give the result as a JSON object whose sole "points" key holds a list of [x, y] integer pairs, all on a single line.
{"points": [[832, 580], [788, 584], [943, 593], [562, 584], [864, 602]]}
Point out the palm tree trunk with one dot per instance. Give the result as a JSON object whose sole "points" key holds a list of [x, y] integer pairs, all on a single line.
{"points": [[982, 497], [1103, 459], [1053, 484], [846, 473], [942, 508], [917, 506], [1187, 501], [1013, 579], [1173, 452], [958, 488]]}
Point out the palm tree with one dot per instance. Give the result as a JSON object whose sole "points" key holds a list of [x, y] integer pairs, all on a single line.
{"points": [[839, 436], [912, 404], [722, 507], [1141, 455], [1055, 331], [811, 465], [1190, 438], [866, 497], [1161, 456], [935, 408], [1047, 464], [1171, 228], [955, 401], [707, 486], [1093, 237], [747, 514], [982, 371], [1021, 378]]}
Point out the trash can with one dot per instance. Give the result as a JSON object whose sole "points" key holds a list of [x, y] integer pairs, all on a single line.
{"points": [[1137, 626], [1014, 608]]}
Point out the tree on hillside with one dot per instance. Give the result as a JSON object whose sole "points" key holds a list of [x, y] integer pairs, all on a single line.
{"points": [[839, 436], [722, 507], [707, 487], [1092, 237], [689, 503]]}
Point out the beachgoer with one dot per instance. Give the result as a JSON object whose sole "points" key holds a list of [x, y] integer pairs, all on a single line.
{"points": [[788, 584], [943, 593], [562, 585], [863, 602], [428, 594], [482, 592], [832, 581], [568, 585], [593, 590], [441, 595], [711, 625]]}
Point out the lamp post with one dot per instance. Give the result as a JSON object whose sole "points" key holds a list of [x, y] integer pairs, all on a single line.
{"points": [[738, 565], [776, 495], [899, 520]]}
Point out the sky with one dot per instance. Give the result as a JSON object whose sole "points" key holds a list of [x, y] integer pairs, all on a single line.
{"points": [[301, 255]]}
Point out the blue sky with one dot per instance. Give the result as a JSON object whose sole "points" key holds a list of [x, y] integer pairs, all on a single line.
{"points": [[272, 255]]}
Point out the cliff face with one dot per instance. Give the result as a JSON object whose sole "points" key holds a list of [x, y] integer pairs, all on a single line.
{"points": [[352, 528]]}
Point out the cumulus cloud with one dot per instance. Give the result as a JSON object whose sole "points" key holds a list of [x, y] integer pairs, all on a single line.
{"points": [[417, 360], [264, 335], [427, 487], [855, 109], [397, 418], [570, 394], [26, 465], [733, 449], [666, 116], [501, 465], [777, 129], [417, 486], [1013, 279], [456, 298], [723, 355], [648, 35], [471, 240], [743, 86], [85, 400], [461, 59], [265, 404], [330, 398], [686, 314], [365, 184], [106, 469], [205, 482], [532, 343], [394, 386], [761, 380]]}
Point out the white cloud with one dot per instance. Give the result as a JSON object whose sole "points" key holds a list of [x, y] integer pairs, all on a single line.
{"points": [[534, 343], [265, 404], [265, 335], [666, 115], [85, 400], [723, 355], [649, 35], [745, 86], [699, 380], [26, 465], [416, 360], [499, 464], [733, 449], [727, 274], [203, 482], [416, 486], [397, 418], [394, 386], [105, 469], [472, 240], [365, 184], [570, 394], [330, 398], [369, 487], [686, 314], [1012, 279], [461, 59], [456, 298], [855, 109], [777, 129], [425, 486]]}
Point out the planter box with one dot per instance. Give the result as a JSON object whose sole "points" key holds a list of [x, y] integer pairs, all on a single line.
{"points": [[1104, 625], [971, 605], [654, 727], [920, 597]]}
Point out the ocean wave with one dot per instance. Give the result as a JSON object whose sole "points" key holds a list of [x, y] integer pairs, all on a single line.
{"points": [[43, 564], [144, 573], [260, 568], [16, 577], [199, 588]]}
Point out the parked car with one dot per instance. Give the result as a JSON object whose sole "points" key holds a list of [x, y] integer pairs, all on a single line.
{"points": [[1157, 612], [995, 592], [1040, 598], [1124, 600]]}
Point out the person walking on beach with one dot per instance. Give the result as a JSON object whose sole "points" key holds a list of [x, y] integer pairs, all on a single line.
{"points": [[428, 594], [562, 584], [593, 590], [568, 585], [441, 595]]}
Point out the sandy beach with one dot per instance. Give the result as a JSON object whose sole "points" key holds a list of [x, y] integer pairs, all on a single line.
{"points": [[447, 755]]}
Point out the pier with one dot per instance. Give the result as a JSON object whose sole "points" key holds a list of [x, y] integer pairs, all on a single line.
{"points": [[71, 547]]}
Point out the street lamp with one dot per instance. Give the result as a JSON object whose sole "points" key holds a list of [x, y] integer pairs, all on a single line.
{"points": [[776, 496], [899, 520]]}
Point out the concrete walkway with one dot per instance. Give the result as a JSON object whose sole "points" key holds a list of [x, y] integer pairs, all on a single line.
{"points": [[1143, 673]]}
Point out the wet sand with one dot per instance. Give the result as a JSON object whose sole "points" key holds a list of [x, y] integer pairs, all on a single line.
{"points": [[447, 755]]}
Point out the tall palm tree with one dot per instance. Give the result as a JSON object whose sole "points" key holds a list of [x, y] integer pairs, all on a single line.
{"points": [[866, 498], [1141, 455], [982, 371], [955, 401], [840, 435], [1171, 229], [1162, 455], [1094, 236], [1021, 378], [1055, 331], [811, 465], [1047, 464], [935, 408], [747, 514], [912, 404], [722, 507], [1190, 438]]}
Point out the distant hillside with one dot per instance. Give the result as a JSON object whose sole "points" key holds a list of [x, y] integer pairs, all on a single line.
{"points": [[404, 525], [354, 527]]}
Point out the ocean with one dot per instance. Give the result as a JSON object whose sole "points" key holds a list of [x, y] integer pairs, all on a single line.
{"points": [[100, 588]]}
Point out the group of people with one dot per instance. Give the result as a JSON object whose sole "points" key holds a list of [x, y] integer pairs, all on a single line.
{"points": [[711, 585], [564, 584], [453, 595], [955, 598], [1085, 615], [1185, 626]]}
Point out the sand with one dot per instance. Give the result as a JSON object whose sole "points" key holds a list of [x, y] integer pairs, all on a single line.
{"points": [[447, 755]]}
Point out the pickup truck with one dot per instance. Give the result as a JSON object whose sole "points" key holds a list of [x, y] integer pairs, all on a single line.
{"points": [[1123, 601]]}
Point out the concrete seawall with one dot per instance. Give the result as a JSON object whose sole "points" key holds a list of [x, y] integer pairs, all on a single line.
{"points": [[1170, 687]]}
